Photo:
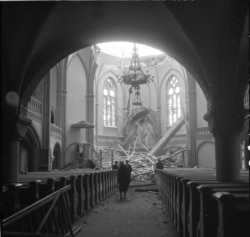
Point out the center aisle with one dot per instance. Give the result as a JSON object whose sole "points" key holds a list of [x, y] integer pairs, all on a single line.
{"points": [[142, 214]]}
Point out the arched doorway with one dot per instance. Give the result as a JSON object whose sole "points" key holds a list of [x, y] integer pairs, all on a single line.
{"points": [[28, 154]]}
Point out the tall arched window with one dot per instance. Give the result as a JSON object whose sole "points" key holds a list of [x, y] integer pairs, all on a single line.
{"points": [[109, 103], [174, 101]]}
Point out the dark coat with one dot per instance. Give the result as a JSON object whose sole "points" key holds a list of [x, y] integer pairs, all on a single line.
{"points": [[159, 165], [115, 167], [123, 178]]}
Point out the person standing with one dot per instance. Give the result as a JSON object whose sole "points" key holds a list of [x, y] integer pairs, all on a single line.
{"points": [[123, 180], [115, 166], [159, 165], [129, 167]]}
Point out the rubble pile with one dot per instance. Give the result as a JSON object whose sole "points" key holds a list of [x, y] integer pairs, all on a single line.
{"points": [[143, 165]]}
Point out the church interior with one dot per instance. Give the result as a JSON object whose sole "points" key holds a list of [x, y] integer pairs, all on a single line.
{"points": [[65, 102]]}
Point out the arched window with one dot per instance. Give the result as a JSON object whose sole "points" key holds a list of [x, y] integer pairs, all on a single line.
{"points": [[109, 103], [52, 117], [173, 100]]}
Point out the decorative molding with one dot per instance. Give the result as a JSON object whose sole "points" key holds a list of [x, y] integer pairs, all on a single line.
{"points": [[110, 131], [27, 113], [106, 141], [55, 130], [203, 133]]}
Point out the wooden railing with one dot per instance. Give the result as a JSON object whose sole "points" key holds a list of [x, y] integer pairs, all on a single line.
{"points": [[49, 216], [37, 196], [201, 206]]}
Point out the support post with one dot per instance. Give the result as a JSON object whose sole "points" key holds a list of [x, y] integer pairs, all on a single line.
{"points": [[226, 122]]}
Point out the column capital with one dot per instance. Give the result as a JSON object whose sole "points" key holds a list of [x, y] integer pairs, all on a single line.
{"points": [[225, 119], [15, 126]]}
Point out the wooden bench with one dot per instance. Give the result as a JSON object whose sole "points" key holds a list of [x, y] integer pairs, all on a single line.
{"points": [[195, 199], [175, 191], [233, 214], [29, 193], [209, 209]]}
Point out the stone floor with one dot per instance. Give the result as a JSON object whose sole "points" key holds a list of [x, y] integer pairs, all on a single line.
{"points": [[141, 215]]}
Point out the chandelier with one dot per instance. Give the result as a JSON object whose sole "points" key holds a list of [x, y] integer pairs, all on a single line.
{"points": [[134, 76]]}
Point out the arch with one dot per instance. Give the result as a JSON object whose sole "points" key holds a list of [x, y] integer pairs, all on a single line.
{"points": [[71, 150], [73, 56], [206, 155], [141, 132], [163, 93], [29, 149], [172, 38]]}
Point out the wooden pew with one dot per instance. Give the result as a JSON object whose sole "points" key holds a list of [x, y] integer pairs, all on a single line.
{"points": [[47, 187], [29, 193], [195, 200], [173, 187], [10, 202], [87, 192], [233, 214], [209, 209]]}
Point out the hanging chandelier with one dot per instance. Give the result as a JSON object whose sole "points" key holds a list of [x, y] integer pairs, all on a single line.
{"points": [[134, 76]]}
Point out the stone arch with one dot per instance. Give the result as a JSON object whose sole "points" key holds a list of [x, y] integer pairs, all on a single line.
{"points": [[72, 149], [206, 155], [29, 149], [129, 32]]}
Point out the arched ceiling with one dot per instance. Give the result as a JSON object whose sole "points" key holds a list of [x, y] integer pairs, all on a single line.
{"points": [[201, 35]]}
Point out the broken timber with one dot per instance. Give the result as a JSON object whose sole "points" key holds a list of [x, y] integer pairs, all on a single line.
{"points": [[167, 137]]}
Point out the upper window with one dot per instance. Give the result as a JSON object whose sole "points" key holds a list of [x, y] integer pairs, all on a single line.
{"points": [[109, 103], [173, 99], [52, 117]]}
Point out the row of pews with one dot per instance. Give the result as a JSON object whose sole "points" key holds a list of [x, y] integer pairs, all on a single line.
{"points": [[78, 192], [201, 206]]}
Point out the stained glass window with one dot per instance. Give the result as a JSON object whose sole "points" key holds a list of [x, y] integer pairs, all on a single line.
{"points": [[109, 103], [174, 102]]}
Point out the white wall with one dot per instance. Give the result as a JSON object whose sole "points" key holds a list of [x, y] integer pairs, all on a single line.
{"points": [[76, 101], [201, 107], [206, 155]]}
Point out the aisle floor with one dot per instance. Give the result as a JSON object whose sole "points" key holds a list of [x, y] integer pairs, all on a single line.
{"points": [[142, 214]]}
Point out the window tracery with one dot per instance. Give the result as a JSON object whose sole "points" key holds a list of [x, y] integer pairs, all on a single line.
{"points": [[173, 99], [109, 103]]}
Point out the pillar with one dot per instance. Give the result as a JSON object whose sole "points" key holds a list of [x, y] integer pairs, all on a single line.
{"points": [[16, 128], [226, 122], [192, 121], [90, 117], [227, 152]]}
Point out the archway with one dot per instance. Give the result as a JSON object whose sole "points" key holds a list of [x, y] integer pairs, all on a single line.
{"points": [[29, 146], [207, 55]]}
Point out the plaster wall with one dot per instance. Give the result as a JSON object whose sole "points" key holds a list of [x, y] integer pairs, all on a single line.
{"points": [[53, 89], [201, 107], [206, 154], [75, 101]]}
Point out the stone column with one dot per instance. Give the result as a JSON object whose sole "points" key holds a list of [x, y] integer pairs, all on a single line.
{"points": [[15, 129], [226, 123], [90, 117], [192, 121]]}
